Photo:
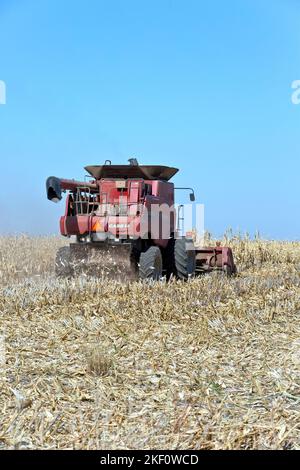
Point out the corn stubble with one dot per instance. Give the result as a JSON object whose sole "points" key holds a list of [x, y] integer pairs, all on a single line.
{"points": [[93, 363]]}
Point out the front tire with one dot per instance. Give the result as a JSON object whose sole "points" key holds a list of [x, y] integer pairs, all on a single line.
{"points": [[185, 259], [169, 259], [151, 264]]}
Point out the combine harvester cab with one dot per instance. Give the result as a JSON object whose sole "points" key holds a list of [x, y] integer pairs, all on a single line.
{"points": [[123, 220]]}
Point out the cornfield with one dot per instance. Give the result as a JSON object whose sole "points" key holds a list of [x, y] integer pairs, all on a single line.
{"points": [[90, 363]]}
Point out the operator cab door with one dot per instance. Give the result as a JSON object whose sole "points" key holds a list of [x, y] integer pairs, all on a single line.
{"points": [[135, 196]]}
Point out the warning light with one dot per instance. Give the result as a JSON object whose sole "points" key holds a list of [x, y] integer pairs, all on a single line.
{"points": [[97, 227]]}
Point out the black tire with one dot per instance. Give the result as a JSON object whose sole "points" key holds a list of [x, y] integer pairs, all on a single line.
{"points": [[63, 265], [168, 255], [185, 259], [151, 264], [135, 254]]}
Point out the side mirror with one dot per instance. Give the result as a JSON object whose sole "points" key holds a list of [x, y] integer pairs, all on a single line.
{"points": [[192, 194]]}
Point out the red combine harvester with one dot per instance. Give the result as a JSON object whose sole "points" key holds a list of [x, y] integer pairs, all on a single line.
{"points": [[125, 216]]}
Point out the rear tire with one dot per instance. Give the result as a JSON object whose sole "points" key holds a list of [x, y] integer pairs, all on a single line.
{"points": [[185, 259], [63, 265], [151, 264]]}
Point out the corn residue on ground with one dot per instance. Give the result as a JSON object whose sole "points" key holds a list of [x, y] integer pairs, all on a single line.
{"points": [[89, 363]]}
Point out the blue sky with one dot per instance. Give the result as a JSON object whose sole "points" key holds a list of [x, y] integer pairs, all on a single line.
{"points": [[204, 86]]}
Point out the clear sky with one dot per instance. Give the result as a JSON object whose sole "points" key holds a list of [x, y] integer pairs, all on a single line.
{"points": [[204, 86]]}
